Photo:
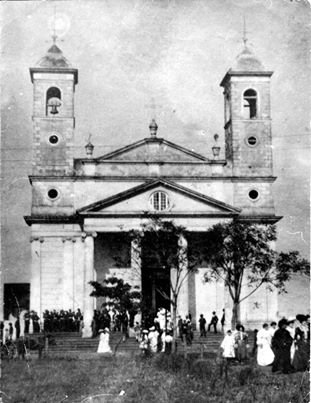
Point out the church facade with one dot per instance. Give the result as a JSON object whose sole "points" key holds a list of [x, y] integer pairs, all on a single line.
{"points": [[84, 209]]}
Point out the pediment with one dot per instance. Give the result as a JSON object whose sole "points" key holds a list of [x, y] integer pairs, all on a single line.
{"points": [[153, 150], [182, 200]]}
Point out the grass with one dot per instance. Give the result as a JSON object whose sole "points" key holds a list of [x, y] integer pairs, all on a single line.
{"points": [[160, 379]]}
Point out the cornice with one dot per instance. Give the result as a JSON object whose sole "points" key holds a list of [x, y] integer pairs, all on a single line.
{"points": [[83, 178]]}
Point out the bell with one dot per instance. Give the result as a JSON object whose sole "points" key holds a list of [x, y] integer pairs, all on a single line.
{"points": [[54, 110], [54, 103]]}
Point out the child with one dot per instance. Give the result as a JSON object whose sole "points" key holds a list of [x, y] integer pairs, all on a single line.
{"points": [[227, 345], [137, 331]]}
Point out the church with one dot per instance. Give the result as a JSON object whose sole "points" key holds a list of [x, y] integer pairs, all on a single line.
{"points": [[83, 209]]}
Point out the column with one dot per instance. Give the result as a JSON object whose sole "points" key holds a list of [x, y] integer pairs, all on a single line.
{"points": [[89, 275], [36, 276], [136, 263], [78, 273], [182, 278], [68, 274]]}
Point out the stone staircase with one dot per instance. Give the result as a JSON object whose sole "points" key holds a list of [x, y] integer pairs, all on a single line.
{"points": [[74, 343]]}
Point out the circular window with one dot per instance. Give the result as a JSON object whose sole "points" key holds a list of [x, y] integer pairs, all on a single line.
{"points": [[253, 194], [53, 194], [159, 201], [53, 139], [252, 141]]}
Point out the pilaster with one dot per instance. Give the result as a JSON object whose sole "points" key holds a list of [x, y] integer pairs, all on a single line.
{"points": [[36, 275], [89, 275], [68, 273]]}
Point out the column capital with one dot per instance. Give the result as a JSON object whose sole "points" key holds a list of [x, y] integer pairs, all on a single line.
{"points": [[69, 239], [88, 234]]}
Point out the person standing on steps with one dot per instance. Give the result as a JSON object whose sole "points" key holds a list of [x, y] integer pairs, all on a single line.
{"points": [[202, 323], [213, 322], [223, 321]]}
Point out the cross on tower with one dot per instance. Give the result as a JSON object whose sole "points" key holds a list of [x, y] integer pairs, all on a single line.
{"points": [[244, 31], [154, 107]]}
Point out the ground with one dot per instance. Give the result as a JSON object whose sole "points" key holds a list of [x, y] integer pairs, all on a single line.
{"points": [[135, 380]]}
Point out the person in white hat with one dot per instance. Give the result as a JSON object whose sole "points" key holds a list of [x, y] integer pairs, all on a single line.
{"points": [[103, 346]]}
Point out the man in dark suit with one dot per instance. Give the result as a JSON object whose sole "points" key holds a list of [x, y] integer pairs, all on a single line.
{"points": [[213, 322]]}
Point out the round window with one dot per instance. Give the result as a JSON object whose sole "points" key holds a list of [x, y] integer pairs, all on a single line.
{"points": [[53, 194], [253, 194], [53, 139], [252, 141], [159, 201]]}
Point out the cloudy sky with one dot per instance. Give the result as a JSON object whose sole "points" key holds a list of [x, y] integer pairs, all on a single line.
{"points": [[132, 54]]}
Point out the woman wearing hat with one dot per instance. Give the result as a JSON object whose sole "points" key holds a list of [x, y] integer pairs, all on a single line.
{"points": [[281, 344], [301, 357], [103, 346]]}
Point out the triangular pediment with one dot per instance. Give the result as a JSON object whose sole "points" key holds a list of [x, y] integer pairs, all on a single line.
{"points": [[153, 150], [182, 200]]}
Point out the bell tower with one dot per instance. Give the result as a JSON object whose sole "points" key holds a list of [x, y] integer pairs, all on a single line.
{"points": [[248, 135], [53, 118], [247, 116]]}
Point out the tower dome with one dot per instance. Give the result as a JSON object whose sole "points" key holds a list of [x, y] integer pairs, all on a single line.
{"points": [[247, 61], [54, 59]]}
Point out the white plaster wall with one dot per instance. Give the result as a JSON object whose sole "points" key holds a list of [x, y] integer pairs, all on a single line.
{"points": [[52, 269], [91, 191], [209, 297]]}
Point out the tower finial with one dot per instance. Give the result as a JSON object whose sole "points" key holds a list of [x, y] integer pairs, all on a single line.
{"points": [[244, 32]]}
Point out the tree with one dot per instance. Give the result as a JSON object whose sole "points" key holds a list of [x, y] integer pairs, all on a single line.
{"points": [[118, 294], [168, 251], [242, 254]]}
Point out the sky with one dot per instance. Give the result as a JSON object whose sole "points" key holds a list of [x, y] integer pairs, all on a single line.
{"points": [[133, 54]]}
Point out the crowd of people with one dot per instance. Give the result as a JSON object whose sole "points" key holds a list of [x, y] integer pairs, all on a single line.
{"points": [[285, 346], [62, 321]]}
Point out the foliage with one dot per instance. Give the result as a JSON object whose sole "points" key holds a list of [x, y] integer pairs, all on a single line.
{"points": [[118, 293], [288, 264], [241, 254]]}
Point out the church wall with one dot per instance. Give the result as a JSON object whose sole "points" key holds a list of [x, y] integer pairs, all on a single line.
{"points": [[147, 169], [52, 273], [210, 297], [87, 192], [263, 205], [42, 204], [52, 159]]}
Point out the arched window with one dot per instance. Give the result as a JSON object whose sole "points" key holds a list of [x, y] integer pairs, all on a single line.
{"points": [[250, 104], [159, 201], [53, 101]]}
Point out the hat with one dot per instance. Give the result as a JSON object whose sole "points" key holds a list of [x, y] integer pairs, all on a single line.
{"points": [[106, 329], [100, 331], [282, 322], [145, 331], [301, 318], [152, 328]]}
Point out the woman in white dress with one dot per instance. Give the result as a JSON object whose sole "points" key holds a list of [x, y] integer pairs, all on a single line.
{"points": [[103, 346], [227, 345], [265, 355], [153, 339]]}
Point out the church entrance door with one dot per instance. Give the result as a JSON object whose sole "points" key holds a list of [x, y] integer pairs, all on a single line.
{"points": [[155, 282]]}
